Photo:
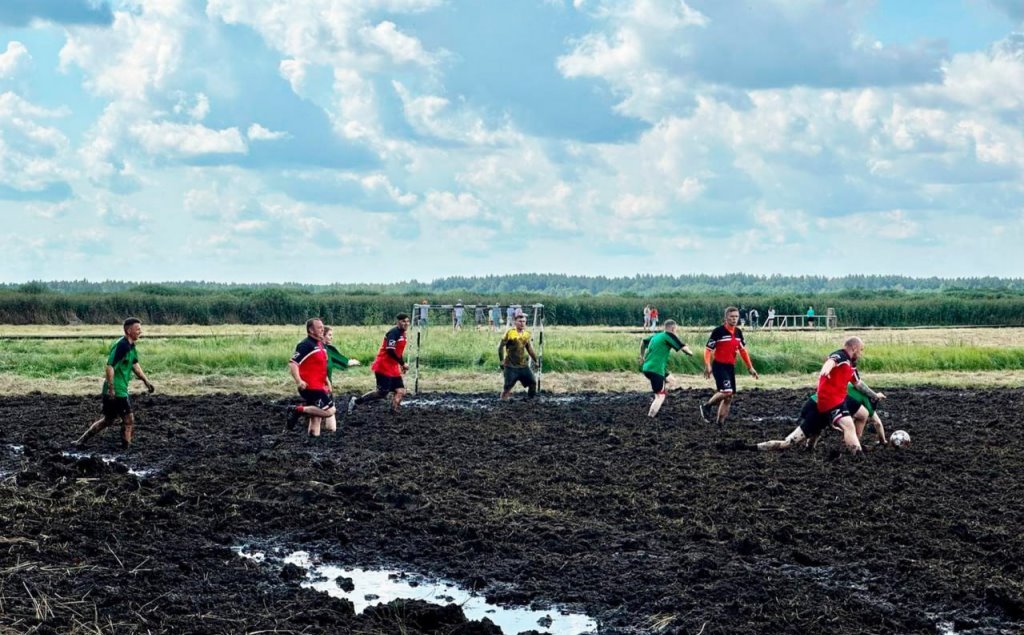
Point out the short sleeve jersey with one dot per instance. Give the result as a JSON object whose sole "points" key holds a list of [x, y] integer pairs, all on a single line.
{"points": [[459, 309], [122, 357], [659, 347], [832, 387], [386, 363], [515, 345], [311, 358], [725, 344]]}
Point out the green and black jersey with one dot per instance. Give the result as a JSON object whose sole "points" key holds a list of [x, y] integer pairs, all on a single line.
{"points": [[335, 360], [122, 357], [659, 347]]}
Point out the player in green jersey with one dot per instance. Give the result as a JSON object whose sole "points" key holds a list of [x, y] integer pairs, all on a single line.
{"points": [[654, 353]]}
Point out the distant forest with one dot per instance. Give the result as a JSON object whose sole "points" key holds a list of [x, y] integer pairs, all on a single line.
{"points": [[567, 300], [561, 285]]}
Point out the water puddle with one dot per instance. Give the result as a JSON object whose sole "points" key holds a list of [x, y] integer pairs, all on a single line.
{"points": [[108, 459], [368, 587]]}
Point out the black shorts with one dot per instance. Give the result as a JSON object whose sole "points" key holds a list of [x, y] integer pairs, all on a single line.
{"points": [[518, 373], [318, 398], [657, 381], [386, 384], [813, 422], [725, 376], [114, 407], [845, 409]]}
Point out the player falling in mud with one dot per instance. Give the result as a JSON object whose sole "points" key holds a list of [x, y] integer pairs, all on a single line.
{"points": [[122, 363], [839, 402], [308, 368], [388, 367], [720, 360], [336, 360], [654, 353], [515, 352]]}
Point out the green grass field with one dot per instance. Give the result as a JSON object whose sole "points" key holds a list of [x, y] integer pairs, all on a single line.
{"points": [[193, 359]]}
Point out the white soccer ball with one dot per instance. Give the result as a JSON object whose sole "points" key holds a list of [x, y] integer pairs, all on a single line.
{"points": [[900, 439]]}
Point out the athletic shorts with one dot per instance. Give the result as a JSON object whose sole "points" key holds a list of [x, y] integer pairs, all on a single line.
{"points": [[725, 376], [318, 398], [813, 422], [845, 409], [518, 373], [114, 407], [657, 381], [386, 384]]}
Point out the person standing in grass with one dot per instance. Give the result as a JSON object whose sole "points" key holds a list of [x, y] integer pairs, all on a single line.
{"points": [[654, 318], [308, 368], [458, 311], [336, 360], [515, 352], [720, 360], [122, 363], [388, 368], [495, 317], [654, 353]]}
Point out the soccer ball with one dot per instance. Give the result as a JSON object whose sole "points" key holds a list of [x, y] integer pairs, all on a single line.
{"points": [[900, 439]]}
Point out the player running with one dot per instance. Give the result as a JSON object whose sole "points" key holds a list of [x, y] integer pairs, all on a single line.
{"points": [[336, 360], [308, 368], [122, 363], [514, 353], [720, 360], [654, 353], [388, 367]]}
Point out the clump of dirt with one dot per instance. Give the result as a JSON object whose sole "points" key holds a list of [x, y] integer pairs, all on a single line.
{"points": [[663, 526]]}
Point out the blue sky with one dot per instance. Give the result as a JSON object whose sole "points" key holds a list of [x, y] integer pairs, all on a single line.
{"points": [[382, 140]]}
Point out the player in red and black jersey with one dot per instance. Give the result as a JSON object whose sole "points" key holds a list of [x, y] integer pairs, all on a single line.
{"points": [[720, 360], [834, 403], [308, 367], [388, 367]]}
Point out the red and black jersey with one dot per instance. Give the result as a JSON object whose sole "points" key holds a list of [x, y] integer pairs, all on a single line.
{"points": [[389, 357], [725, 344], [311, 358], [832, 387]]}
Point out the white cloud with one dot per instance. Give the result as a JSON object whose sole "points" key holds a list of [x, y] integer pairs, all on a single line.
{"points": [[447, 206], [402, 48], [256, 132], [177, 140], [13, 59], [375, 183], [434, 116]]}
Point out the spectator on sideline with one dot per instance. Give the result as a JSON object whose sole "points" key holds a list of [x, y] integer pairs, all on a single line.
{"points": [[478, 311], [457, 312], [770, 320], [515, 352], [495, 317], [810, 316], [744, 314], [723, 345], [647, 317], [122, 363], [755, 318], [388, 367], [654, 317], [422, 310], [308, 368]]}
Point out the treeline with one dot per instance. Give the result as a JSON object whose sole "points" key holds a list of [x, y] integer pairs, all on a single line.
{"points": [[157, 304], [561, 285]]}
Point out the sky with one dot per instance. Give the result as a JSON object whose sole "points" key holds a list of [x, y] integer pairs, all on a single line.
{"points": [[323, 141]]}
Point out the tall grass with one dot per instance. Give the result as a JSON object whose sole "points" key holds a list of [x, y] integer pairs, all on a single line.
{"points": [[266, 352]]}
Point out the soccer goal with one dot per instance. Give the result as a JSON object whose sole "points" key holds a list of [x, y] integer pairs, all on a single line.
{"points": [[453, 340]]}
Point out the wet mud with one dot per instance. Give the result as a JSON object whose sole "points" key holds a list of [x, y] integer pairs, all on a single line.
{"points": [[664, 526]]}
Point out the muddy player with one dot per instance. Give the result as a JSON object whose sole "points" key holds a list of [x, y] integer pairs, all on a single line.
{"points": [[336, 360], [308, 368], [388, 368], [515, 354], [654, 353], [122, 363], [839, 369], [811, 423], [720, 360]]}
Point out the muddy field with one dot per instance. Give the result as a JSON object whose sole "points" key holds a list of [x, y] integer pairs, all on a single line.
{"points": [[647, 527]]}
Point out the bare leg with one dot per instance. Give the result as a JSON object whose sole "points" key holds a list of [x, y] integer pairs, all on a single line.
{"points": [[723, 407], [396, 400], [127, 429], [656, 404], [97, 426], [795, 437], [313, 411], [314, 426], [331, 423], [849, 434]]}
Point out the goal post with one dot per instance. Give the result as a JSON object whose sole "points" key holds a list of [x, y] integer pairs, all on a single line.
{"points": [[445, 345]]}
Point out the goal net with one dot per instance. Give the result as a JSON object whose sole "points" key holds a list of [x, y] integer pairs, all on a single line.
{"points": [[453, 343]]}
